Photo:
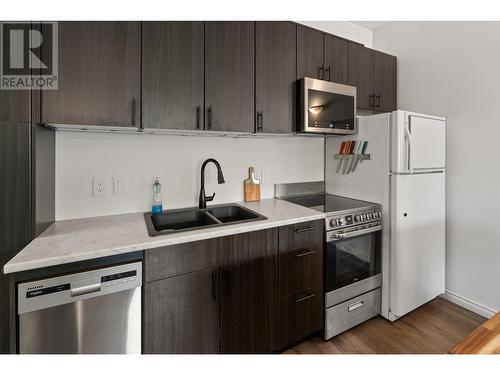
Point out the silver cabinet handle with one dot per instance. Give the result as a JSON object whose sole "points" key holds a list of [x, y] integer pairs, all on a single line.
{"points": [[355, 306], [75, 292], [305, 298], [336, 236], [305, 254]]}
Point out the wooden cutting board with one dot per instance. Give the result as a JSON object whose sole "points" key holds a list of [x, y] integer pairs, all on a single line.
{"points": [[251, 187]]}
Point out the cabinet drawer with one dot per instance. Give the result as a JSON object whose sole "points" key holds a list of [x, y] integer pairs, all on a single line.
{"points": [[301, 236], [348, 314], [179, 259], [300, 269], [300, 315]]}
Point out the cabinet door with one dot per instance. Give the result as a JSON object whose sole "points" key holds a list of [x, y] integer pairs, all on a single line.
{"points": [[15, 199], [99, 75], [229, 69], [181, 314], [172, 75], [385, 81], [310, 53], [14, 106], [249, 293], [336, 59], [361, 60], [276, 66]]}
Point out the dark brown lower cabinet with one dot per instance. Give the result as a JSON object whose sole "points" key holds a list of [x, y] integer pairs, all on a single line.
{"points": [[249, 292], [225, 295], [181, 314], [249, 306], [300, 315]]}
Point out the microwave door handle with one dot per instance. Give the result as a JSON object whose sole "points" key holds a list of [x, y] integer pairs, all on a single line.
{"points": [[408, 147], [339, 236]]}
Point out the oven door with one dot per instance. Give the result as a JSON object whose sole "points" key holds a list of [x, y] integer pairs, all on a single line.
{"points": [[352, 255]]}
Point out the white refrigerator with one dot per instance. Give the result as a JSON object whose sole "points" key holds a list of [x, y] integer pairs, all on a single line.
{"points": [[406, 175]]}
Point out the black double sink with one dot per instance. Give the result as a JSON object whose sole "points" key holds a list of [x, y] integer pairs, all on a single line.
{"points": [[185, 219]]}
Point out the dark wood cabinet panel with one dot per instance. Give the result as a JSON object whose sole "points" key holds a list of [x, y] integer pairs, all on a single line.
{"points": [[172, 75], [301, 236], [15, 200], [336, 59], [181, 314], [248, 292], [361, 74], [229, 76], [300, 315], [275, 59], [300, 269], [385, 81], [178, 259], [14, 106], [310, 53], [99, 75]]}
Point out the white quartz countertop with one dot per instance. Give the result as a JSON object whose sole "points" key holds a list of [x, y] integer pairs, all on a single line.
{"points": [[83, 239]]}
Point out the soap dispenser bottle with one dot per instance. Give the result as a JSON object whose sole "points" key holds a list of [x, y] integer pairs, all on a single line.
{"points": [[157, 207]]}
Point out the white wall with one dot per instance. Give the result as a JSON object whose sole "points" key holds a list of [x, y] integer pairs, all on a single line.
{"points": [[344, 29], [177, 161], [452, 69]]}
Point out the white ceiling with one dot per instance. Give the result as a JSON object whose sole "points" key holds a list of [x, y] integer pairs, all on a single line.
{"points": [[373, 25]]}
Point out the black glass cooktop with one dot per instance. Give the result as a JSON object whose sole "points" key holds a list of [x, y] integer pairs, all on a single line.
{"points": [[328, 202]]}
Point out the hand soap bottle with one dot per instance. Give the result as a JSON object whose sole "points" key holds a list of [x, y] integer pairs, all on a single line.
{"points": [[157, 207]]}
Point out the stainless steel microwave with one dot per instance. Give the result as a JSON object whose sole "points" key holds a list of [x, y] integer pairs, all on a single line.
{"points": [[326, 107]]}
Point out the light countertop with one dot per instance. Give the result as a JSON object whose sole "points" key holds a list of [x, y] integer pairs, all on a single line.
{"points": [[83, 239]]}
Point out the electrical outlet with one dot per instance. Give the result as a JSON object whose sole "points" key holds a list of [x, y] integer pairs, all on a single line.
{"points": [[120, 185], [99, 186], [264, 176]]}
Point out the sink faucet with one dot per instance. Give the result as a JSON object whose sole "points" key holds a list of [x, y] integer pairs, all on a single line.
{"points": [[220, 179]]}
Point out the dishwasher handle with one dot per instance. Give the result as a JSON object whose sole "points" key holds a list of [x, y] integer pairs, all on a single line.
{"points": [[87, 289]]}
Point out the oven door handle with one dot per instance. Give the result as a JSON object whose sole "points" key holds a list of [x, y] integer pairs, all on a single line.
{"points": [[339, 236]]}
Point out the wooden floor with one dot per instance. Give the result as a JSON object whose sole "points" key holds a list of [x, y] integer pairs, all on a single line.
{"points": [[433, 328]]}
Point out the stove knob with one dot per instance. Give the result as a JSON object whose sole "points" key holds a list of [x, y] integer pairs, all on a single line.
{"points": [[357, 218], [363, 217], [369, 215], [333, 223]]}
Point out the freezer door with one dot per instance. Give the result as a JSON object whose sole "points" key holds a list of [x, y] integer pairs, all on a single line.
{"points": [[418, 143], [417, 240]]}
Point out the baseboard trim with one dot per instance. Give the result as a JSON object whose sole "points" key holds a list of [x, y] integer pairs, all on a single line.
{"points": [[469, 304]]}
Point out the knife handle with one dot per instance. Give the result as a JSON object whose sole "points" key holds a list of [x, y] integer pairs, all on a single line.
{"points": [[342, 145], [365, 144], [353, 144]]}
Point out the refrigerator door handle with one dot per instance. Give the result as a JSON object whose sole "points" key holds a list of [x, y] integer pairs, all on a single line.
{"points": [[408, 147]]}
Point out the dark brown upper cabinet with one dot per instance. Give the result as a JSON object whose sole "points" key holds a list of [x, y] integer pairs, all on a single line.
{"points": [[275, 59], [14, 106], [99, 75], [336, 59], [172, 75], [385, 81], [374, 75], [229, 76], [310, 53], [361, 74]]}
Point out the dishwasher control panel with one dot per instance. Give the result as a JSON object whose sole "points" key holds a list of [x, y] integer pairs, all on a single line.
{"points": [[45, 293]]}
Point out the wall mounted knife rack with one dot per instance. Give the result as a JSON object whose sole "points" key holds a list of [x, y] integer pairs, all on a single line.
{"points": [[351, 161]]}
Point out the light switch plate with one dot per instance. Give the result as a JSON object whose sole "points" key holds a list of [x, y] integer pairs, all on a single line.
{"points": [[120, 185], [99, 186]]}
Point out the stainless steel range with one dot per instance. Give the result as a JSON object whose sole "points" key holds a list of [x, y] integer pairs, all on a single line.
{"points": [[352, 254]]}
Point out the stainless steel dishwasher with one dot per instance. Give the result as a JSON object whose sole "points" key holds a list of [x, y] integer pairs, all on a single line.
{"points": [[97, 311]]}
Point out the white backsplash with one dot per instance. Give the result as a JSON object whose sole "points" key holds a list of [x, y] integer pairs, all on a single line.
{"points": [[80, 156]]}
